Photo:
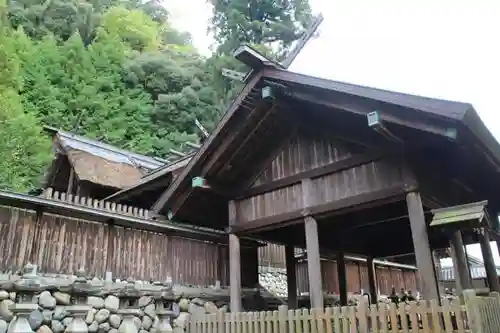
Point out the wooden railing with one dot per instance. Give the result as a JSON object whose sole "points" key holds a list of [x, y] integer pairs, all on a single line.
{"points": [[97, 204], [422, 317]]}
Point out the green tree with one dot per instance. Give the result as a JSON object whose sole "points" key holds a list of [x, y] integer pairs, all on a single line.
{"points": [[134, 27], [24, 149], [268, 22]]}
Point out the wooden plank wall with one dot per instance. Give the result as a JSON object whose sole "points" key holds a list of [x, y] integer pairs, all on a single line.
{"points": [[62, 245], [306, 152], [357, 278]]}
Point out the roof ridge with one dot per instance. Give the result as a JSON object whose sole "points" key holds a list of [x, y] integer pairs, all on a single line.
{"points": [[107, 146]]}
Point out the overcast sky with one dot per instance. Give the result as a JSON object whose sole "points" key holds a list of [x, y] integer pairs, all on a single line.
{"points": [[436, 48]]}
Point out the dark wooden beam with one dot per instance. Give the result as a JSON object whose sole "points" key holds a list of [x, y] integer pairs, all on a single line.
{"points": [[372, 280], [291, 276], [339, 206], [211, 144], [489, 263], [348, 163], [273, 108], [460, 268], [424, 122], [342, 274], [225, 153]]}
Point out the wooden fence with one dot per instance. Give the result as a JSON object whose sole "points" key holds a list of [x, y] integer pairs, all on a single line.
{"points": [[58, 244], [476, 314], [424, 317]]}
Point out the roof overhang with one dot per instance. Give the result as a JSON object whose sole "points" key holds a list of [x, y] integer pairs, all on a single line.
{"points": [[456, 217], [435, 117]]}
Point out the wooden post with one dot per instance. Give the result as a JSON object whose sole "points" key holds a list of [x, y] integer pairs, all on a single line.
{"points": [[234, 263], [291, 277], [313, 263], [423, 253], [312, 247], [342, 275], [460, 267], [495, 223], [235, 273], [489, 264], [372, 280]]}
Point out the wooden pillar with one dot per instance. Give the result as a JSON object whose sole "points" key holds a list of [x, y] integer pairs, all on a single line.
{"points": [[234, 263], [291, 277], [489, 264], [313, 263], [372, 280], [235, 273], [493, 214], [423, 253], [460, 267], [312, 247], [341, 269]]}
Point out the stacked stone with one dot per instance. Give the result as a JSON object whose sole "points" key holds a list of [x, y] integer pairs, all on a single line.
{"points": [[274, 280], [52, 315]]}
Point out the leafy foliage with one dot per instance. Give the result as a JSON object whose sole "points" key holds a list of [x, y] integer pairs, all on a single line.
{"points": [[25, 151], [117, 71], [261, 22]]}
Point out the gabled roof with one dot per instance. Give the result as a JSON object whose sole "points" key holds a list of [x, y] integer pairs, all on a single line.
{"points": [[151, 184], [106, 151], [433, 116], [101, 163]]}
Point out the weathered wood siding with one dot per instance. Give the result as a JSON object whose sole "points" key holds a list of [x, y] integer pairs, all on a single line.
{"points": [[59, 244], [306, 153], [357, 277], [272, 255]]}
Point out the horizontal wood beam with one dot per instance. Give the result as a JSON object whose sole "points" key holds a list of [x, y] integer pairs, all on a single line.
{"points": [[337, 207], [420, 124], [347, 163]]}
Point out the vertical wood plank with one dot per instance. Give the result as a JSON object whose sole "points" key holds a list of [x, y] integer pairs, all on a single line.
{"points": [[436, 321], [394, 318]]}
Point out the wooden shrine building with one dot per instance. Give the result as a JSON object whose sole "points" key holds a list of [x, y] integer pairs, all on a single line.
{"points": [[336, 168]]}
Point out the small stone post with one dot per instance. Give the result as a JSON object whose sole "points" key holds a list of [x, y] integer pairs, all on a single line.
{"points": [[166, 308], [128, 308], [79, 309], [26, 287]]}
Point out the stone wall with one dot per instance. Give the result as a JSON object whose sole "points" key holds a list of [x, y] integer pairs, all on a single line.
{"points": [[55, 295]]}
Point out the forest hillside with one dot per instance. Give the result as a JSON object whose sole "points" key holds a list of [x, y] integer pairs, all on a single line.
{"points": [[116, 71]]}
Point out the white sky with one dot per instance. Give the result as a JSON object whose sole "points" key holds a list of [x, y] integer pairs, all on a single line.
{"points": [[436, 48]]}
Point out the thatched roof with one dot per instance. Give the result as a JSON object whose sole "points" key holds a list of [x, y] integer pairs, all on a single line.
{"points": [[104, 172], [103, 164]]}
